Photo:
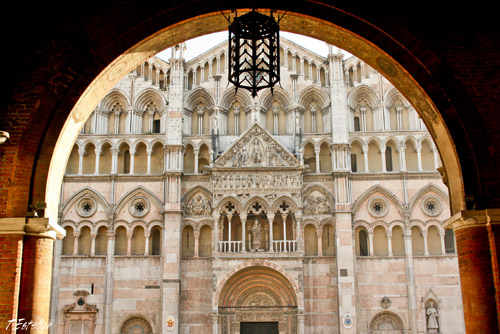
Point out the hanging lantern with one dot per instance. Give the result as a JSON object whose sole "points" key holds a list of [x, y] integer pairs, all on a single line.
{"points": [[254, 57]]}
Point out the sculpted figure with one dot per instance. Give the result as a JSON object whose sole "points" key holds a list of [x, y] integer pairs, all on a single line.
{"points": [[198, 206], [432, 322], [256, 234]]}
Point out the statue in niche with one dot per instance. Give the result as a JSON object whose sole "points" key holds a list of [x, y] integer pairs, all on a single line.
{"points": [[198, 206], [256, 153], [256, 234], [432, 320]]}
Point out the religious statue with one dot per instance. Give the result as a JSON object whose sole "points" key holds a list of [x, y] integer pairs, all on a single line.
{"points": [[256, 152], [432, 320], [198, 206], [241, 158], [256, 234]]}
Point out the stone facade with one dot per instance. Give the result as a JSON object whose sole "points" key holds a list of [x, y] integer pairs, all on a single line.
{"points": [[189, 206]]}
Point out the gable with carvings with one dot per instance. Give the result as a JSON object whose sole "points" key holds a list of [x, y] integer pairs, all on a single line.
{"points": [[256, 148]]}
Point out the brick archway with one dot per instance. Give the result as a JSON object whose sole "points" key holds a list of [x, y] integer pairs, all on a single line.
{"points": [[71, 60]]}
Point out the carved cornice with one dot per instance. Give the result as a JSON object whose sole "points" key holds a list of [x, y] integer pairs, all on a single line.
{"points": [[473, 218]]}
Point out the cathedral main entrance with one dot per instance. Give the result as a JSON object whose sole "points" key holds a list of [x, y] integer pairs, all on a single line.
{"points": [[259, 328], [257, 300]]}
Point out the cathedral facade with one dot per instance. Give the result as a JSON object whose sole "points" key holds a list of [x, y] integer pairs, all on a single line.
{"points": [[192, 207]]}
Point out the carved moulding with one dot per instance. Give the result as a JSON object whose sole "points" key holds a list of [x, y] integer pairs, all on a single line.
{"points": [[256, 148]]}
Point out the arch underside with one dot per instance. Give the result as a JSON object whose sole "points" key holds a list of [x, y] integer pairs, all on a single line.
{"points": [[293, 22]]}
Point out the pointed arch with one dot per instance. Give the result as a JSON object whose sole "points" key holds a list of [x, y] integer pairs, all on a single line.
{"points": [[430, 188], [114, 96], [374, 190], [139, 190], [85, 192], [197, 95], [314, 93], [146, 97]]}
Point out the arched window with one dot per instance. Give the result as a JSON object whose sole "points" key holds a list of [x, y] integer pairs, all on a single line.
{"points": [[155, 241], [380, 243], [397, 241], [84, 241], [121, 241], [388, 159], [417, 241], [138, 245], [68, 241], [205, 242], [434, 241], [187, 241], [101, 239], [328, 240], [357, 124], [73, 161], [362, 242], [156, 126], [310, 240], [354, 163]]}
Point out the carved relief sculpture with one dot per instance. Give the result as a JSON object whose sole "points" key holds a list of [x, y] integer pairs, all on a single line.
{"points": [[317, 205], [198, 206]]}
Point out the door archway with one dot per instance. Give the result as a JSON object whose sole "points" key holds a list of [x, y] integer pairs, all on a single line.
{"points": [[257, 294]]}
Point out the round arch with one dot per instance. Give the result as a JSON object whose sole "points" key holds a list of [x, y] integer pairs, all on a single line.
{"points": [[352, 41]]}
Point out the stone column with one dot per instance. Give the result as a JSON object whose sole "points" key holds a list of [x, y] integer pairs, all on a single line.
{"points": [[149, 151], [243, 232], [109, 280], [441, 238], [283, 217], [97, 160], [81, 153], [270, 218], [132, 161], [389, 243], [196, 155], [478, 265], [92, 246], [129, 243], [402, 157], [298, 219], [419, 157], [196, 243], [382, 156], [426, 247], [370, 238], [320, 241], [76, 235], [365, 157], [114, 160], [146, 244], [215, 323], [316, 152]]}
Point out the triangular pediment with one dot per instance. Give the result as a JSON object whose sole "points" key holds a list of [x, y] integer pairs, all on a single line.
{"points": [[256, 147]]}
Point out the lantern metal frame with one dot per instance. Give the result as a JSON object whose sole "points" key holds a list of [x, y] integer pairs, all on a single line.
{"points": [[254, 56]]}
